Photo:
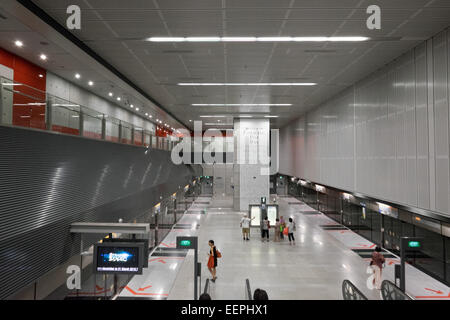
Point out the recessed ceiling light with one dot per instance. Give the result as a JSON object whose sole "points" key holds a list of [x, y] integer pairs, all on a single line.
{"points": [[110, 94], [77, 75], [137, 109], [43, 57], [248, 84], [41, 75], [150, 116], [119, 98], [131, 106], [90, 83], [258, 39], [190, 120], [241, 104], [18, 43], [146, 114]]}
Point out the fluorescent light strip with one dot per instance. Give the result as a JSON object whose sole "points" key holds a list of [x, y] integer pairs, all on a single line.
{"points": [[212, 116], [241, 104], [218, 124], [270, 116], [248, 84], [258, 39]]}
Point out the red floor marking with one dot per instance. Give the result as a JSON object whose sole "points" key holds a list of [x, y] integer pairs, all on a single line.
{"points": [[145, 293], [435, 291], [171, 245], [144, 288]]}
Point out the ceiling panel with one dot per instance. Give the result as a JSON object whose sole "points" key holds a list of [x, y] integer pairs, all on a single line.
{"points": [[113, 29]]}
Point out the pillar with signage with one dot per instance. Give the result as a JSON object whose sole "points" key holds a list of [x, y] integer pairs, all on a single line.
{"points": [[251, 166], [191, 243], [407, 244]]}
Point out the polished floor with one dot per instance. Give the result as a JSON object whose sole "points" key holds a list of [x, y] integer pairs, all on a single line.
{"points": [[313, 268]]}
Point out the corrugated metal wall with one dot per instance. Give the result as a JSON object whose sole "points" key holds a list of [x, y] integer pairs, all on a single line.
{"points": [[48, 181], [387, 136]]}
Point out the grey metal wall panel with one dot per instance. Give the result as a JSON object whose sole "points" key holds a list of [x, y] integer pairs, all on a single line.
{"points": [[48, 181], [387, 136], [441, 141], [423, 180]]}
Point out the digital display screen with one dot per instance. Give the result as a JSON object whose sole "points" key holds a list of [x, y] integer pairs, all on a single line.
{"points": [[118, 258], [272, 214], [255, 212]]}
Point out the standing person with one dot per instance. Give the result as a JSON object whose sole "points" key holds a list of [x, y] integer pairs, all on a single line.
{"points": [[377, 266], [282, 226], [291, 229], [245, 225], [277, 230], [265, 228], [212, 261]]}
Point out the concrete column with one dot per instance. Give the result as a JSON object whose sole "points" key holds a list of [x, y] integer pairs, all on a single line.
{"points": [[250, 173]]}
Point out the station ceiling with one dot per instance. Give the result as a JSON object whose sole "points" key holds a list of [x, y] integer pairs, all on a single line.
{"points": [[118, 31]]}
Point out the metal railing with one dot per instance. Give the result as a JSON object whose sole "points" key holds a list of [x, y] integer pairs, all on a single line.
{"points": [[351, 292], [248, 291], [206, 289], [389, 291], [25, 106]]}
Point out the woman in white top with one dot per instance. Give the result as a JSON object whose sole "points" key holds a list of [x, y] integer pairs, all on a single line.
{"points": [[291, 229]]}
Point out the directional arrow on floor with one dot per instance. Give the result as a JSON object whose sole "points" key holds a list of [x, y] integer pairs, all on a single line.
{"points": [[435, 291], [144, 288]]}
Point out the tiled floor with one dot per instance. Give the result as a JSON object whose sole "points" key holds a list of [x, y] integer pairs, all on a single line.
{"points": [[165, 262], [314, 268]]}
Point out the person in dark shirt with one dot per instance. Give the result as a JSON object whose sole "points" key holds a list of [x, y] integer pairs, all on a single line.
{"points": [[377, 266]]}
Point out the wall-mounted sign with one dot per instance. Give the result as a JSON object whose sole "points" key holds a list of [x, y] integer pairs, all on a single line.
{"points": [[414, 244], [124, 257], [187, 242]]}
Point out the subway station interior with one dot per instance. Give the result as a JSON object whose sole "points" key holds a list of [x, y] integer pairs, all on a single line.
{"points": [[309, 140]]}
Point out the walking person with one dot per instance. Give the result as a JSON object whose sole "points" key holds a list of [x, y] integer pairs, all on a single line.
{"points": [[277, 230], [282, 226], [212, 261], [245, 225], [377, 266], [291, 228], [265, 229]]}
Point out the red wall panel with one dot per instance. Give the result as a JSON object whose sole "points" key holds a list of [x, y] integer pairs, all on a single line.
{"points": [[29, 104]]}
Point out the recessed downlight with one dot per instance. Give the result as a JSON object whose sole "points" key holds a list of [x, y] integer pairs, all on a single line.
{"points": [[77, 76], [110, 94], [91, 83], [18, 43], [43, 57]]}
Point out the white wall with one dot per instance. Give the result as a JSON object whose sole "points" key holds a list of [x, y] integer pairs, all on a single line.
{"points": [[387, 136], [64, 89]]}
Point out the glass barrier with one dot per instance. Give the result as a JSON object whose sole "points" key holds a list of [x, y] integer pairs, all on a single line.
{"points": [[25, 106], [112, 128]]}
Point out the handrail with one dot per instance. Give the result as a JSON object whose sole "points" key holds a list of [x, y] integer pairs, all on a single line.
{"points": [[389, 291], [206, 289], [54, 101], [248, 290], [351, 292]]}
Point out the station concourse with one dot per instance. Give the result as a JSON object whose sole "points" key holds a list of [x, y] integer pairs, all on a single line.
{"points": [[141, 140]]}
